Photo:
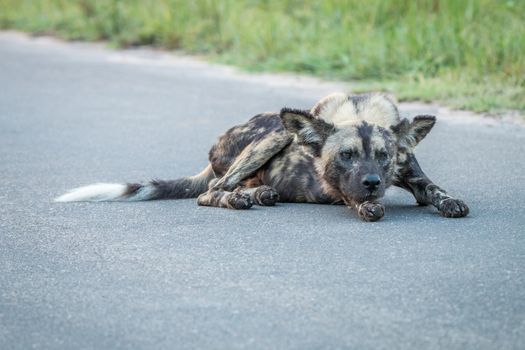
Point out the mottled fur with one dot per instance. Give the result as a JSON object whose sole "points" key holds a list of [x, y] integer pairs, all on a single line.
{"points": [[345, 150]]}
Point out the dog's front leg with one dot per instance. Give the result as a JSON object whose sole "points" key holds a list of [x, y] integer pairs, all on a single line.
{"points": [[370, 210], [412, 178]]}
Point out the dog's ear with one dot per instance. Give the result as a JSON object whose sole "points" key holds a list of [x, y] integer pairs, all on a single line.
{"points": [[308, 129], [409, 134]]}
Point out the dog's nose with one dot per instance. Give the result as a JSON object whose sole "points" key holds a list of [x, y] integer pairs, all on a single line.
{"points": [[371, 181]]}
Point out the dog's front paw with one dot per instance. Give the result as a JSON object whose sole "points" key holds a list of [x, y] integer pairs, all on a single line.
{"points": [[453, 208], [371, 211], [239, 200], [265, 195]]}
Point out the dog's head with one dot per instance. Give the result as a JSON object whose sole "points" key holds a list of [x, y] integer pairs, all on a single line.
{"points": [[356, 159]]}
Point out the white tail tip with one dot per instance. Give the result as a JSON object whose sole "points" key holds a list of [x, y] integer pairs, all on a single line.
{"points": [[94, 193]]}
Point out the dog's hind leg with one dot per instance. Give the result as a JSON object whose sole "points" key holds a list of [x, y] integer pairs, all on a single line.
{"points": [[261, 195], [241, 198], [410, 177], [225, 199], [252, 158]]}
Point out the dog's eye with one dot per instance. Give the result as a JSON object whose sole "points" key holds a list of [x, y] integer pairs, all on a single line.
{"points": [[347, 155], [381, 156]]}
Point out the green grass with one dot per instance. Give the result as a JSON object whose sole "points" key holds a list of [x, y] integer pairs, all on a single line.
{"points": [[465, 53]]}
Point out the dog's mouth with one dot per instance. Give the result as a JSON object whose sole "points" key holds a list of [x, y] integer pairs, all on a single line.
{"points": [[353, 200], [370, 197]]}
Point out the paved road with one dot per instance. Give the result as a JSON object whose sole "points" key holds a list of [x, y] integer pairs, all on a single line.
{"points": [[171, 275]]}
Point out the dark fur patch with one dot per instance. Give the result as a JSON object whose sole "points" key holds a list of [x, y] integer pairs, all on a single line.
{"points": [[357, 100], [365, 133]]}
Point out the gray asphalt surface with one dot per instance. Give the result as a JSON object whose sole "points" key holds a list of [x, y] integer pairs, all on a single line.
{"points": [[172, 275]]}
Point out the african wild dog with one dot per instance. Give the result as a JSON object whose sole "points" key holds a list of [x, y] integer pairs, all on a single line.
{"points": [[345, 150]]}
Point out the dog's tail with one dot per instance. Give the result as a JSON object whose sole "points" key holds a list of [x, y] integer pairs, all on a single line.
{"points": [[186, 187]]}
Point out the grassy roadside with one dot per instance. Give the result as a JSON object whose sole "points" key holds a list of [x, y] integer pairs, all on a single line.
{"points": [[464, 53]]}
